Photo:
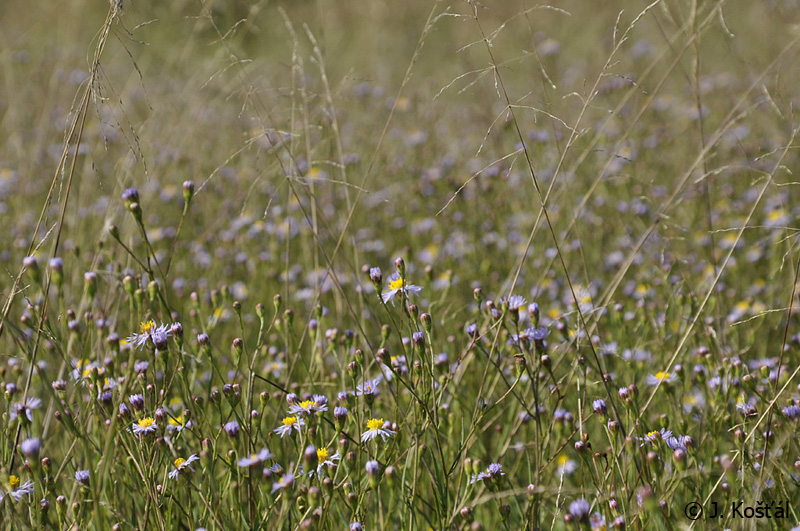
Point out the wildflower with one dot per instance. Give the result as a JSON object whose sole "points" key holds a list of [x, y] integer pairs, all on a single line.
{"points": [[30, 447], [16, 490], [137, 401], [398, 285], [286, 482], [232, 428], [148, 330], [181, 465], [579, 509], [652, 437], [369, 387], [376, 276], [493, 471], [289, 423], [375, 428], [255, 459], [25, 408], [566, 466], [145, 426], [661, 376], [563, 416], [597, 521], [515, 302], [599, 406], [678, 443], [82, 477], [325, 459], [177, 424], [356, 526], [317, 404], [792, 412]]}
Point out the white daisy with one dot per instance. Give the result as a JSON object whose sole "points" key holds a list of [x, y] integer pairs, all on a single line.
{"points": [[181, 465], [289, 423], [324, 460], [145, 426], [16, 490], [255, 459], [308, 407], [148, 330], [25, 408], [369, 387], [398, 285], [375, 428], [661, 376]]}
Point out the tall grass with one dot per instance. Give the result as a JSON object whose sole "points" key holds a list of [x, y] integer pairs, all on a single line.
{"points": [[422, 265]]}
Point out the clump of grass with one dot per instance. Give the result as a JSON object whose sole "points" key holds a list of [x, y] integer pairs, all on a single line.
{"points": [[533, 267]]}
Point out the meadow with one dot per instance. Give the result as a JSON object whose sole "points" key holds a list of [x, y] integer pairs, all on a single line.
{"points": [[423, 265]]}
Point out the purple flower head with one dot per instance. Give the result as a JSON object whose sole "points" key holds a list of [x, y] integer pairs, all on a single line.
{"points": [[82, 477], [30, 447], [131, 195], [373, 468], [232, 429], [792, 412], [515, 302], [599, 406], [579, 509]]}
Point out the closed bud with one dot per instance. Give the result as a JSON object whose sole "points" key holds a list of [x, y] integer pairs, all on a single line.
{"points": [[477, 294], [90, 284], [136, 210], [188, 191], [427, 322]]}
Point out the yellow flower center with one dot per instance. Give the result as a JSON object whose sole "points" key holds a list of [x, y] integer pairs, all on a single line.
{"points": [[662, 375], [176, 421], [147, 327], [562, 460], [322, 454], [396, 284], [13, 482], [146, 422], [306, 404], [374, 424], [289, 421], [653, 435], [179, 461]]}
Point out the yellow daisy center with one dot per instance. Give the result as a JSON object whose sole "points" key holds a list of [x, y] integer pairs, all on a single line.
{"points": [[654, 435], [147, 327], [146, 422], [179, 461], [396, 284], [13, 482], [662, 375], [289, 421], [374, 424], [306, 404], [176, 421], [562, 460], [322, 454]]}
